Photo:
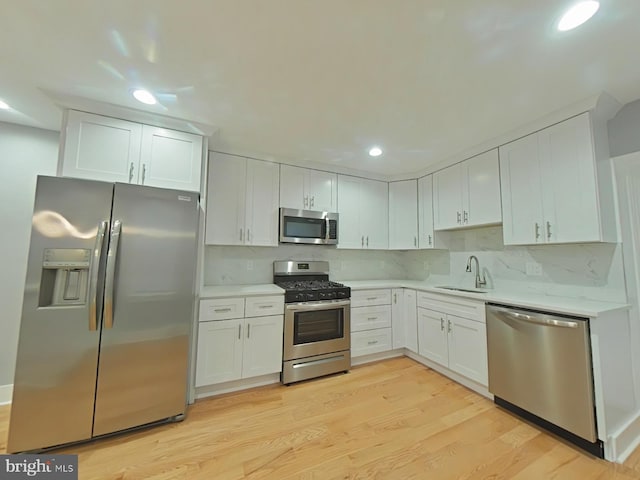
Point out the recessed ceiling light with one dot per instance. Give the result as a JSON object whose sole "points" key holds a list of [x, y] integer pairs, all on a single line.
{"points": [[4, 106], [578, 14], [144, 96], [375, 151]]}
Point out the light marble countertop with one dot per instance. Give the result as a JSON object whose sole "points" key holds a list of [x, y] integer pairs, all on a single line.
{"points": [[566, 305], [226, 291]]}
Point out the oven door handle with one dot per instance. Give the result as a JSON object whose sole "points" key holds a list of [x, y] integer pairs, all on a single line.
{"points": [[326, 305]]}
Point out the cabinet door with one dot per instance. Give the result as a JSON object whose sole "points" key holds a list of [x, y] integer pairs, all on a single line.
{"points": [[447, 198], [226, 187], [292, 181], [219, 356], [398, 323], [411, 320], [374, 204], [262, 346], [403, 215], [481, 192], [432, 336], [101, 148], [468, 348], [261, 215], [425, 212], [170, 159], [570, 198], [522, 219], [322, 190], [349, 212]]}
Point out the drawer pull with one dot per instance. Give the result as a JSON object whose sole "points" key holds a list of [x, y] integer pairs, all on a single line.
{"points": [[265, 306], [371, 298], [220, 310], [372, 318], [372, 342]]}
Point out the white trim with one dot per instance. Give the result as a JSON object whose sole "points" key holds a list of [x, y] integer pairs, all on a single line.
{"points": [[6, 393], [236, 385], [619, 446], [374, 357]]}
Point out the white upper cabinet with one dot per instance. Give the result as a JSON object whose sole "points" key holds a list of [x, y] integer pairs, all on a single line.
{"points": [[363, 207], [307, 189], [403, 215], [113, 150], [170, 159], [242, 201], [468, 194], [425, 212], [550, 190]]}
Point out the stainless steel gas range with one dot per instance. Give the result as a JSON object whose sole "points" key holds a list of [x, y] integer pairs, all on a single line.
{"points": [[317, 320]]}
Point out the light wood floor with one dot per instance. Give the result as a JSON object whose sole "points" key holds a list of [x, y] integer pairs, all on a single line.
{"points": [[392, 419]]}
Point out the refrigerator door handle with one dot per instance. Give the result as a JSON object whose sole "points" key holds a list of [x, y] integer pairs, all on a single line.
{"points": [[112, 256], [93, 285]]}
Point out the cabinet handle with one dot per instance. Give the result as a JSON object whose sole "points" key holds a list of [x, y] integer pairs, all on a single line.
{"points": [[442, 324], [548, 231], [537, 231], [248, 235], [241, 235], [144, 172], [265, 306], [395, 298], [131, 172], [248, 330], [415, 241], [367, 240], [449, 326], [372, 342], [458, 215], [362, 241], [371, 298], [429, 238], [220, 310], [306, 201], [466, 217], [239, 329], [313, 200]]}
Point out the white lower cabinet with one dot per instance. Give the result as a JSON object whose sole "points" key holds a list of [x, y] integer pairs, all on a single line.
{"points": [[370, 322], [404, 319], [451, 340], [238, 348]]}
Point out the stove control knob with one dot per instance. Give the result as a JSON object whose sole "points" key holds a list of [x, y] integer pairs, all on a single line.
{"points": [[310, 296], [300, 297], [322, 295], [342, 294], [331, 295]]}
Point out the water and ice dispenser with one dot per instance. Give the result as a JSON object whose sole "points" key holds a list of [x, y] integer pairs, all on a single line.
{"points": [[65, 276]]}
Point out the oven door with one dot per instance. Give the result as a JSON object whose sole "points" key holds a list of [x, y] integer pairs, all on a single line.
{"points": [[314, 328]]}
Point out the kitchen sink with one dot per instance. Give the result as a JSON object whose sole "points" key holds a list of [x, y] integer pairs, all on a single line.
{"points": [[460, 289]]}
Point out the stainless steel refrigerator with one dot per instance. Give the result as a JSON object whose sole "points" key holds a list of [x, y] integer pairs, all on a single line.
{"points": [[107, 311]]}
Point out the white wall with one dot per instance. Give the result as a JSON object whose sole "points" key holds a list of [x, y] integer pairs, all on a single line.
{"points": [[623, 130], [24, 153]]}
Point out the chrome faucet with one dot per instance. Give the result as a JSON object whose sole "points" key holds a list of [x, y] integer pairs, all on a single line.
{"points": [[480, 282]]}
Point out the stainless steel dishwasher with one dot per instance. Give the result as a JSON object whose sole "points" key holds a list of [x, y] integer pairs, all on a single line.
{"points": [[540, 368]]}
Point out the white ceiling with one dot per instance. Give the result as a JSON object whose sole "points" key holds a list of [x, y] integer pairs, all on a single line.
{"points": [[321, 81]]}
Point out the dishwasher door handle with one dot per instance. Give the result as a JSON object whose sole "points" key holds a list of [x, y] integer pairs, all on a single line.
{"points": [[537, 319]]}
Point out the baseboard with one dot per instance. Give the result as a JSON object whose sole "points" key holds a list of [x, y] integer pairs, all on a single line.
{"points": [[6, 393], [619, 446], [236, 385], [374, 357]]}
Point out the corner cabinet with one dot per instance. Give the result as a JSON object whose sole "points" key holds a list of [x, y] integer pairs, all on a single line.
{"points": [[468, 194], [550, 189], [242, 201], [363, 207], [403, 215], [307, 189], [96, 147], [235, 343]]}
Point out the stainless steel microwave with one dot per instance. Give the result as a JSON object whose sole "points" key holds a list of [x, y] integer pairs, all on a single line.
{"points": [[308, 226]]}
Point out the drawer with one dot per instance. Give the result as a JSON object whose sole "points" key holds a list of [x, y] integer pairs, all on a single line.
{"points": [[221, 308], [367, 318], [262, 306], [366, 298], [370, 341], [461, 307]]}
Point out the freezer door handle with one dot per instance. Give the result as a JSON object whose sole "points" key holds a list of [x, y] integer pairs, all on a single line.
{"points": [[112, 256], [93, 283]]}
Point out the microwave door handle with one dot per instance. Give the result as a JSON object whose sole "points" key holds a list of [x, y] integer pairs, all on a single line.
{"points": [[327, 226]]}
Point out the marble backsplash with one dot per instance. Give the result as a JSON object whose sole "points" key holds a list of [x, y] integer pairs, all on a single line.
{"points": [[592, 271]]}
